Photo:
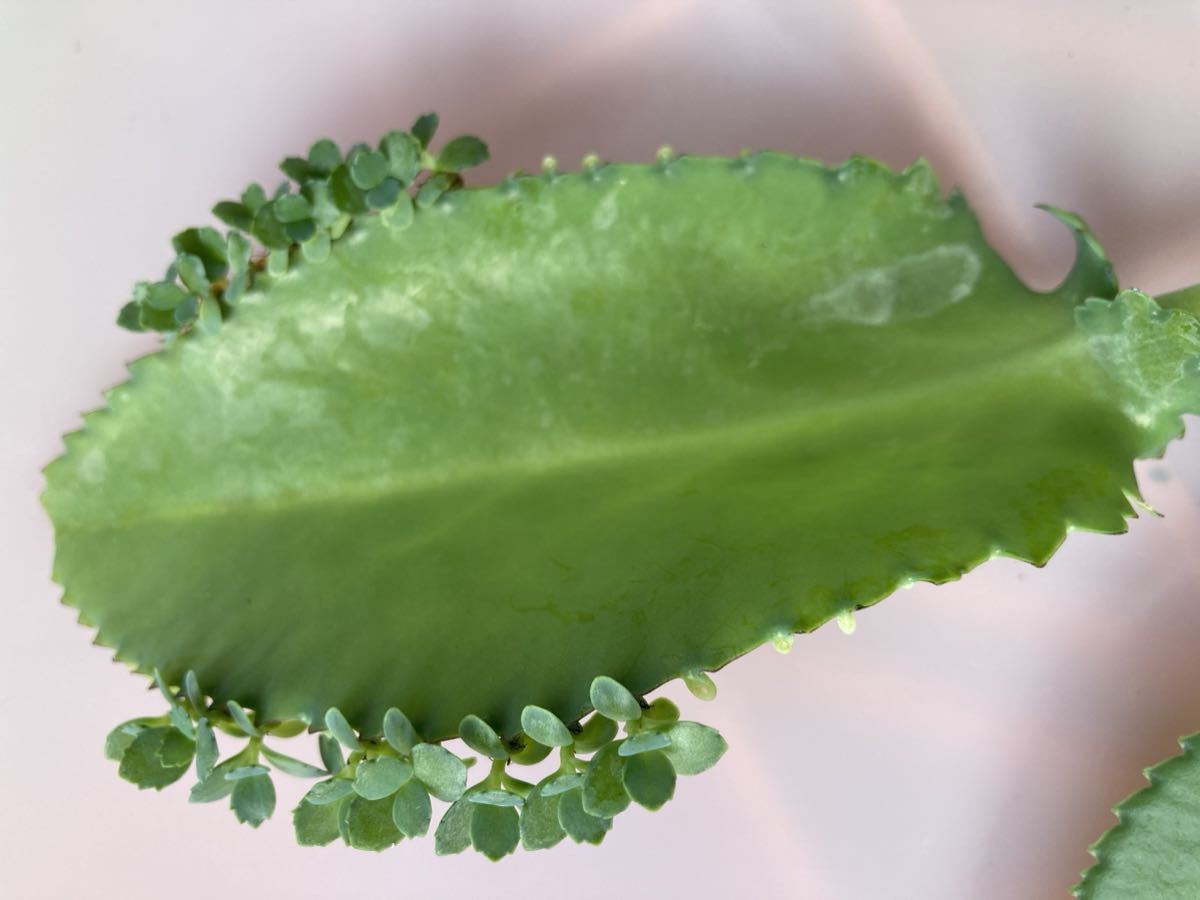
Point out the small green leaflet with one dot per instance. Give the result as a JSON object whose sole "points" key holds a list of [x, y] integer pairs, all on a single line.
{"points": [[291, 766], [382, 777], [545, 727], [315, 826], [411, 809], [442, 773], [694, 748], [495, 830], [649, 779], [253, 799]]}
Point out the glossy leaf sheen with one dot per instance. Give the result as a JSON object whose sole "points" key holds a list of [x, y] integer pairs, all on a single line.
{"points": [[1151, 854], [634, 422]]}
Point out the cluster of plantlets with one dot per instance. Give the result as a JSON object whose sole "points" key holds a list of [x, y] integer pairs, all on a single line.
{"points": [[381, 792], [326, 192]]}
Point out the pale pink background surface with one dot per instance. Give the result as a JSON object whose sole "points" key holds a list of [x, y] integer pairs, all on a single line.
{"points": [[966, 742]]}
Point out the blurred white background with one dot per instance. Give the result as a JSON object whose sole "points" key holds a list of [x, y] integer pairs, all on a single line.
{"points": [[967, 741]]}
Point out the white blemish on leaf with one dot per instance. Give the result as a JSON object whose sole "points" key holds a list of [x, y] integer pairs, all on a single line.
{"points": [[913, 287]]}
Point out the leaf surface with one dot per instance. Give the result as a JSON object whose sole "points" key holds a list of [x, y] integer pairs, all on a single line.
{"points": [[1151, 852], [633, 422]]}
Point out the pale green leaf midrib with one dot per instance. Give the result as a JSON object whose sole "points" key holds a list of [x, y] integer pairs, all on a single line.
{"points": [[1029, 361]]}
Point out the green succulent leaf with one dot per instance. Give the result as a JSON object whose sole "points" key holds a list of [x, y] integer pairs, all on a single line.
{"points": [[155, 758], [278, 260], [526, 752], [315, 826], [664, 402], [597, 731], [237, 248], [463, 152], [481, 737], [119, 739], [644, 742], [191, 690], [290, 765], [285, 728], [242, 718], [545, 727], [329, 791], [382, 777], [495, 830], [694, 748], [191, 273], [188, 311], [424, 128], [432, 189], [369, 824], [1151, 852], [254, 197], [604, 794], [399, 732], [581, 826], [130, 316], [368, 169], [207, 245], [495, 798], [324, 156], [344, 193], [206, 749], [612, 699], [234, 214], [649, 778], [340, 728], [331, 753], [297, 169], [560, 784], [208, 316], [246, 772], [411, 809], [316, 248], [253, 799], [660, 712], [383, 194], [164, 295], [453, 834], [403, 152], [292, 208], [540, 828], [268, 229], [400, 214], [215, 786], [442, 773]]}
